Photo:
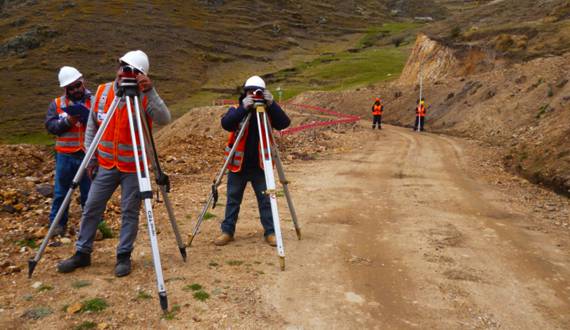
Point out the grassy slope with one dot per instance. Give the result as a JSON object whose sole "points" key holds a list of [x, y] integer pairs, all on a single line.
{"points": [[184, 40]]}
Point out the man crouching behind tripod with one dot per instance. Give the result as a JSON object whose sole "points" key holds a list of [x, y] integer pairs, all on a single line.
{"points": [[116, 163]]}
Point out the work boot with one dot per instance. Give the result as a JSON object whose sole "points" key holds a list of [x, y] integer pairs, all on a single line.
{"points": [[123, 266], [223, 239], [78, 260], [270, 239], [58, 231]]}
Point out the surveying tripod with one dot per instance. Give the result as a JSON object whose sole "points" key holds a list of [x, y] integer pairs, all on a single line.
{"points": [[268, 153], [128, 93]]}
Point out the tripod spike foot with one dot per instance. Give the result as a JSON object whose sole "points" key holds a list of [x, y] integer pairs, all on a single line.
{"points": [[163, 301], [190, 239], [282, 263], [183, 253], [298, 230], [31, 266]]}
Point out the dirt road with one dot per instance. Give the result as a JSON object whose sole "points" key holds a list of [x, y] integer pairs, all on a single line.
{"points": [[404, 230], [402, 233]]}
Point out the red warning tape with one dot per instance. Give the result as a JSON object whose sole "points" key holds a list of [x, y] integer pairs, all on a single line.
{"points": [[344, 119]]}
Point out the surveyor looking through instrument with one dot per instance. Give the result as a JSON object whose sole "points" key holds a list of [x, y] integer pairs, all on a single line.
{"points": [[246, 164], [115, 162]]}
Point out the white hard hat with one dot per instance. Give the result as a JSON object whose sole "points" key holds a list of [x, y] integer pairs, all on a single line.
{"points": [[67, 75], [254, 82], [137, 59]]}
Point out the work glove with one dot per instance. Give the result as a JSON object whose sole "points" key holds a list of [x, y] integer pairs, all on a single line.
{"points": [[268, 97], [247, 102]]}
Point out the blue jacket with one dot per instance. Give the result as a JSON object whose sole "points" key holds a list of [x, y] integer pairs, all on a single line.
{"points": [[233, 118]]}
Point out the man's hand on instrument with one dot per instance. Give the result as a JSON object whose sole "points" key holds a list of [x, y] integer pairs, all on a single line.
{"points": [[145, 84], [268, 97], [247, 102]]}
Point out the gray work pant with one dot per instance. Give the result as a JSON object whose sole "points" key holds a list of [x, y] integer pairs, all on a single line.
{"points": [[102, 188]]}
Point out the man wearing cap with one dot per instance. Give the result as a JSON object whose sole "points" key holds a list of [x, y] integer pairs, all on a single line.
{"points": [[67, 118], [247, 165], [115, 163]]}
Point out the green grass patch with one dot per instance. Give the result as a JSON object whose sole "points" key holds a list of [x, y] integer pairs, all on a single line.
{"points": [[30, 242], [171, 315], [213, 264], [105, 230], [37, 313], [201, 295], [86, 325], [94, 305], [376, 33], [45, 287], [209, 216], [80, 284], [143, 295], [192, 287], [234, 262], [42, 138], [343, 71]]}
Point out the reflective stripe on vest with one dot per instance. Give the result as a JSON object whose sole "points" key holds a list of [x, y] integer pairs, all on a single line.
{"points": [[421, 111], [115, 148], [236, 163], [71, 141]]}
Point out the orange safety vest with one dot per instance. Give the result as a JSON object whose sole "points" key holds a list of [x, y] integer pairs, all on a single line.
{"points": [[72, 140], [116, 147], [236, 162], [378, 109], [421, 111]]}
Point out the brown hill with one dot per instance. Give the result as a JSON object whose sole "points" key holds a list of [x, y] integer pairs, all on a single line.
{"points": [[183, 39]]}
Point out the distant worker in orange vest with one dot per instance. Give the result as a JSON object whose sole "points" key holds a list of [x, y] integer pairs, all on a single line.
{"points": [[247, 164], [115, 164], [67, 118], [420, 115], [377, 110]]}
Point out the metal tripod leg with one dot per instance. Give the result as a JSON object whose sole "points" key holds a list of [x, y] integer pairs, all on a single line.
{"points": [[164, 186], [285, 183], [213, 197], [146, 193], [75, 183], [265, 149]]}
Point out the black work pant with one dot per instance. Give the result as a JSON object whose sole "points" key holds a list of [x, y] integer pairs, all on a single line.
{"points": [[377, 121], [421, 120]]}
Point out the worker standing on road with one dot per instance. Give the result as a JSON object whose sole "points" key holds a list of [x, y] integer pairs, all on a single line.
{"points": [[67, 118], [377, 110], [247, 165], [116, 164], [420, 115]]}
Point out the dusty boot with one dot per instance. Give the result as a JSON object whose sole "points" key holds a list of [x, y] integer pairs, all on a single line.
{"points": [[58, 231], [123, 266], [78, 260], [270, 239], [223, 239]]}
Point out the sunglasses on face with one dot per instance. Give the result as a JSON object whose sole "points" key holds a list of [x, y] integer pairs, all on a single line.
{"points": [[74, 86]]}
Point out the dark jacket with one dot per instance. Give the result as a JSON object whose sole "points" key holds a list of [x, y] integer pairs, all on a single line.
{"points": [[56, 125], [233, 118]]}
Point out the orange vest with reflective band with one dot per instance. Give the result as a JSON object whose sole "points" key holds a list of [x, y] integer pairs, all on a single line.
{"points": [[116, 147], [72, 140], [377, 110], [421, 111], [236, 162]]}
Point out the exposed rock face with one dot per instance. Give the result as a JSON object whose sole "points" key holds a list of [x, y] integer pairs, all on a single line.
{"points": [[436, 60]]}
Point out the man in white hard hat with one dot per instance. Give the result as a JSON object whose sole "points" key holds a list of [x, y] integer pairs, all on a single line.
{"points": [[247, 165], [67, 118], [116, 164]]}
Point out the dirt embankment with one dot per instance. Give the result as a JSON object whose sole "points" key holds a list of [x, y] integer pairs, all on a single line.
{"points": [[521, 108]]}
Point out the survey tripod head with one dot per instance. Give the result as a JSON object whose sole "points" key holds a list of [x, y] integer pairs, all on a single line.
{"points": [[128, 86]]}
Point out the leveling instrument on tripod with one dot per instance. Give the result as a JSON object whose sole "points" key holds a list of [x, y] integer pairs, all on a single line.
{"points": [[128, 94], [269, 153]]}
